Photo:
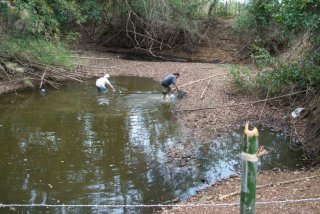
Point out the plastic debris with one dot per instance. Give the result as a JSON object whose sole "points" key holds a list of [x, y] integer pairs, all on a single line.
{"points": [[297, 112], [43, 91]]}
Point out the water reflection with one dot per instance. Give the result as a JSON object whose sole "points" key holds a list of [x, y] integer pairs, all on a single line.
{"points": [[76, 146], [103, 100]]}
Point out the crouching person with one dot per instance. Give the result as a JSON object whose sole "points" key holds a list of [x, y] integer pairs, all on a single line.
{"points": [[103, 84], [169, 84]]}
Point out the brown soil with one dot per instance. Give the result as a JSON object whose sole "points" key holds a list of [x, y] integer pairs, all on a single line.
{"points": [[206, 124]]}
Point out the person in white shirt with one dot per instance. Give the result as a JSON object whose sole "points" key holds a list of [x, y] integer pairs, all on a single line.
{"points": [[103, 83]]}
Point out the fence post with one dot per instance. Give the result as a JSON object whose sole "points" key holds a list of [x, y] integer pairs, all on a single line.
{"points": [[248, 171]]}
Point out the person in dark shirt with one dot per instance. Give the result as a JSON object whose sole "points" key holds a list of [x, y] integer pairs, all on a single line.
{"points": [[167, 81]]}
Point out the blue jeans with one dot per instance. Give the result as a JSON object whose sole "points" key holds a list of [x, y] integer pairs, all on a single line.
{"points": [[102, 89]]}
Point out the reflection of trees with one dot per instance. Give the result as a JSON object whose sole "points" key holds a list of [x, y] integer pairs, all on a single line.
{"points": [[81, 153], [215, 160], [224, 155], [108, 158], [147, 138]]}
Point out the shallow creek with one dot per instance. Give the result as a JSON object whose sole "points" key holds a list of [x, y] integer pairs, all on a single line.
{"points": [[76, 146]]}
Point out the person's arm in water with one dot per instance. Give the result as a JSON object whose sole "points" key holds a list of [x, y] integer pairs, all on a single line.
{"points": [[176, 87], [109, 84]]}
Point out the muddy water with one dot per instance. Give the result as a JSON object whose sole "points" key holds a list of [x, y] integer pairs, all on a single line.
{"points": [[76, 146]]}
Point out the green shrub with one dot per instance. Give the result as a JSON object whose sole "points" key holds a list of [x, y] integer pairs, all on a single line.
{"points": [[241, 77], [48, 18], [269, 27], [296, 76], [35, 49]]}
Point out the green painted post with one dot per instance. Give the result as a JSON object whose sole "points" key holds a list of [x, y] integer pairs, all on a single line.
{"points": [[249, 170]]}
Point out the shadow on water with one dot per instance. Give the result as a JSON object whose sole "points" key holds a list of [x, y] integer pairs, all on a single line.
{"points": [[77, 146]]}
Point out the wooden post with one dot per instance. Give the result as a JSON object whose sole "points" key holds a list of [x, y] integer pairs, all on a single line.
{"points": [[249, 170]]}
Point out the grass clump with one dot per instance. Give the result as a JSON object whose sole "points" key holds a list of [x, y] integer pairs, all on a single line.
{"points": [[35, 49]]}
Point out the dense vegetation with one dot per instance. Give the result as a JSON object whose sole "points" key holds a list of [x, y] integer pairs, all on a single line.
{"points": [[271, 28], [142, 24], [282, 37], [37, 33]]}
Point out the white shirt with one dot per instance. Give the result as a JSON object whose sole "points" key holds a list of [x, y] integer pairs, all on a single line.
{"points": [[102, 81]]}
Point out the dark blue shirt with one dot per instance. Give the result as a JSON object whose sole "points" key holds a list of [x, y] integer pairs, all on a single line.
{"points": [[168, 80]]}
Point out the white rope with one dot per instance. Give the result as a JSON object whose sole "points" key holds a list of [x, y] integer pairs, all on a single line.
{"points": [[289, 201], [249, 157], [158, 205], [110, 205]]}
